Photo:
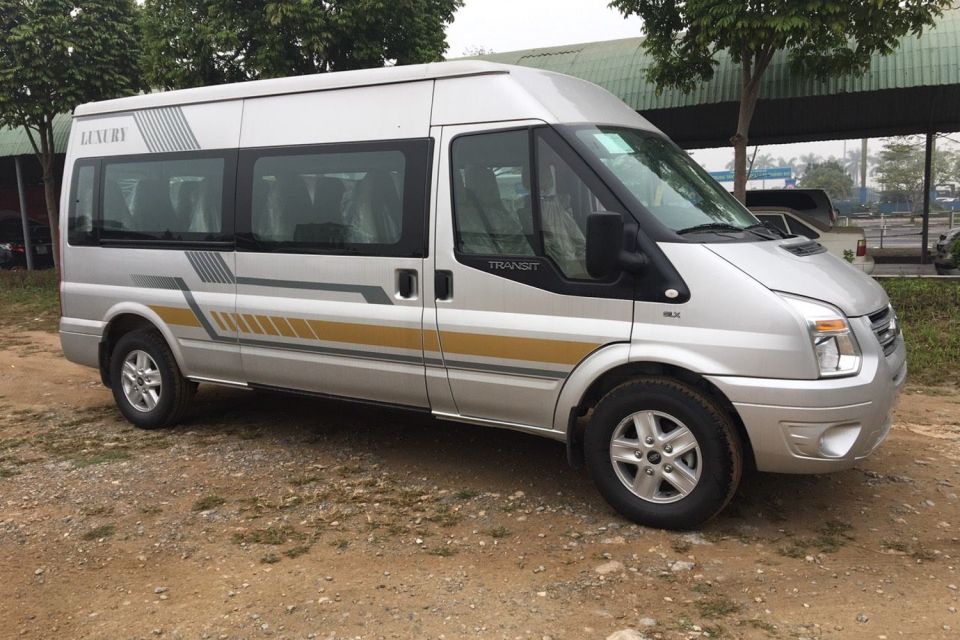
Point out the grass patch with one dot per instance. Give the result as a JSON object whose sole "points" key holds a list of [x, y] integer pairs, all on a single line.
{"points": [[8, 473], [444, 551], [103, 531], [97, 510], [915, 551], [717, 606], [208, 502], [466, 494], [275, 535], [297, 551], [831, 535], [680, 545], [929, 312], [270, 558], [340, 543], [498, 532], [99, 457], [30, 300]]}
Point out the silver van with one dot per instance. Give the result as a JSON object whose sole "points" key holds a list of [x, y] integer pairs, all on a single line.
{"points": [[488, 244]]}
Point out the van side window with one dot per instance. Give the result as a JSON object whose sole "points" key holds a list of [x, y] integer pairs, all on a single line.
{"points": [[80, 223], [774, 220], [499, 213], [357, 198], [163, 200], [329, 199], [797, 228], [491, 194]]}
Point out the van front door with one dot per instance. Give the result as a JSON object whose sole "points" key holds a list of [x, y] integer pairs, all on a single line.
{"points": [[329, 268], [516, 310]]}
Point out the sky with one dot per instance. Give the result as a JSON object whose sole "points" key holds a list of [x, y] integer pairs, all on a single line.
{"points": [[508, 25]]}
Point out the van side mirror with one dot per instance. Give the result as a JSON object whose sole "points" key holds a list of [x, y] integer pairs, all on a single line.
{"points": [[604, 243], [605, 252]]}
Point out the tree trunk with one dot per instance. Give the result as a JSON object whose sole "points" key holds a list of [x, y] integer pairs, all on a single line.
{"points": [[752, 67], [46, 155], [52, 195]]}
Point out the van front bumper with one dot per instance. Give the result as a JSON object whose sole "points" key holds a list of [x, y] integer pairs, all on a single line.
{"points": [[817, 426]]}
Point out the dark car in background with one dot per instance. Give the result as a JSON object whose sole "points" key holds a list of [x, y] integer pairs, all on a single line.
{"points": [[13, 252], [813, 204]]}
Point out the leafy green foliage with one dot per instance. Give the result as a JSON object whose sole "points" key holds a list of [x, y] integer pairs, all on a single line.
{"points": [[189, 43], [56, 54], [899, 168], [822, 38], [829, 176]]}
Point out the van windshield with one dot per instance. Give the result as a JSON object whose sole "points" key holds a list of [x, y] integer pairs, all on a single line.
{"points": [[666, 181]]}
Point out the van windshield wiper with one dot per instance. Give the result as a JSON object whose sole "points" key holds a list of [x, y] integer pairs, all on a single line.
{"points": [[711, 226], [766, 231]]}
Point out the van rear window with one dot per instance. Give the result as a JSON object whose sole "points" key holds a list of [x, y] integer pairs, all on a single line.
{"points": [[164, 199], [80, 227]]}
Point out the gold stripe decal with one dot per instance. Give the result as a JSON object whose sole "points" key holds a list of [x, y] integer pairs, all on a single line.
{"points": [[564, 352], [176, 315], [368, 334]]}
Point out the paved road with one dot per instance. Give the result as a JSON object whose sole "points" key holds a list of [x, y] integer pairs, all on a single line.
{"points": [[899, 231]]}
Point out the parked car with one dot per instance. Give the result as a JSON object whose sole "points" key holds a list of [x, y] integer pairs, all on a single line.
{"points": [[810, 204], [849, 243], [13, 253], [944, 262]]}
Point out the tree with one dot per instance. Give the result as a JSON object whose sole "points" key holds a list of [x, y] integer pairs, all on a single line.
{"points": [[899, 169], [188, 43], [829, 176], [807, 160], [822, 38], [54, 55]]}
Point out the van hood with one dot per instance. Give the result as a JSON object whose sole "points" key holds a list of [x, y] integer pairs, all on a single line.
{"points": [[820, 276]]}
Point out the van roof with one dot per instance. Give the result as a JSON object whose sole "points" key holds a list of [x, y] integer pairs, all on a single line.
{"points": [[296, 84]]}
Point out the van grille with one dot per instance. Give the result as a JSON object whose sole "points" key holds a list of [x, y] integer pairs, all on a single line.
{"points": [[805, 249], [886, 328]]}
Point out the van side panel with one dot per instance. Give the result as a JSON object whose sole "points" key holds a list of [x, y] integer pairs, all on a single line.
{"points": [[169, 285], [387, 112]]}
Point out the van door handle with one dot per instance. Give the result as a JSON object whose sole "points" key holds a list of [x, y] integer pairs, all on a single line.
{"points": [[443, 284], [407, 283]]}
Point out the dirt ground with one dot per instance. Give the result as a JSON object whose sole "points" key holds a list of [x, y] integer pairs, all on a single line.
{"points": [[272, 516]]}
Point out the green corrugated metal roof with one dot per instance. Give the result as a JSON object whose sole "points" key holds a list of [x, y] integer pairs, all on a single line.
{"points": [[619, 65], [14, 142]]}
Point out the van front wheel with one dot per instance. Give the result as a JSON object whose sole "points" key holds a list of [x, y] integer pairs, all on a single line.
{"points": [[147, 384], [662, 453]]}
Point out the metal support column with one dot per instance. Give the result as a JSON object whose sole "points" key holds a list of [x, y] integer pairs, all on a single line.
{"points": [[21, 194], [927, 165]]}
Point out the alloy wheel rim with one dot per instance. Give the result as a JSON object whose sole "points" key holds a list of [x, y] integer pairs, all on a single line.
{"points": [[141, 381], [656, 457]]}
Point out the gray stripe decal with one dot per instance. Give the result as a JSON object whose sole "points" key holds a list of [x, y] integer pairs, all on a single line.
{"points": [[218, 266], [166, 282], [521, 371], [176, 134], [165, 129], [333, 351], [371, 293], [198, 266], [224, 267], [145, 131], [181, 122], [154, 282], [204, 264]]}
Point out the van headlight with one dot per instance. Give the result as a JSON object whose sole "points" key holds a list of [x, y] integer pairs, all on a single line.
{"points": [[834, 344]]}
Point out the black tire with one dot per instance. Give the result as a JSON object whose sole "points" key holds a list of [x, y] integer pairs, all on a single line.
{"points": [[720, 456], [175, 390]]}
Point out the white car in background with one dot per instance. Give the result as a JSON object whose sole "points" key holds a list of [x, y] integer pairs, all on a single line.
{"points": [[848, 243]]}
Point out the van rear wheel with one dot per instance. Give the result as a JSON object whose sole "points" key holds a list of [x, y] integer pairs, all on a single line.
{"points": [[662, 453], [147, 384]]}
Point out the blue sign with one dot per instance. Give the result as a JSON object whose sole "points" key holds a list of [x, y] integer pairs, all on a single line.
{"points": [[769, 173]]}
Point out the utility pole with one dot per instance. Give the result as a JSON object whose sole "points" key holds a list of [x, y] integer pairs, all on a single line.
{"points": [[863, 171], [27, 246]]}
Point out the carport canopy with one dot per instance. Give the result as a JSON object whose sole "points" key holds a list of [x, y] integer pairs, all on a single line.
{"points": [[914, 90]]}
